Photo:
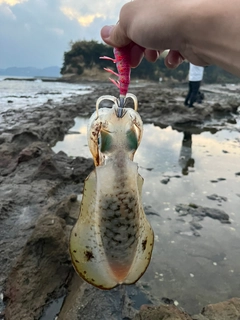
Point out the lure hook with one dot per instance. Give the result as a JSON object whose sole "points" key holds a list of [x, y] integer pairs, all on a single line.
{"points": [[118, 102], [122, 60]]}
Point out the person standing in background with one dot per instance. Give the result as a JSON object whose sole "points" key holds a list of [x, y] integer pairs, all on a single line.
{"points": [[195, 77]]}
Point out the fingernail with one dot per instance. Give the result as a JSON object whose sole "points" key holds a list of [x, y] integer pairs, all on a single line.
{"points": [[106, 31]]}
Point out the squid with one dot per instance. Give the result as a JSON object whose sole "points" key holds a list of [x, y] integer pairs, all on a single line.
{"points": [[112, 241]]}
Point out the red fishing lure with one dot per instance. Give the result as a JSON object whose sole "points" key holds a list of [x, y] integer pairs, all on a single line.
{"points": [[122, 60]]}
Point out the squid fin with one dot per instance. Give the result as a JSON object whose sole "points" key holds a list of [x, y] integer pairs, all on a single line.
{"points": [[86, 249]]}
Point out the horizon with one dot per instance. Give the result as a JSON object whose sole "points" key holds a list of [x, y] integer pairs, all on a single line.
{"points": [[30, 67], [30, 72]]}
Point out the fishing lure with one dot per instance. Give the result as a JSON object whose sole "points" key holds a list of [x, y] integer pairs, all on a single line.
{"points": [[112, 240], [122, 60]]}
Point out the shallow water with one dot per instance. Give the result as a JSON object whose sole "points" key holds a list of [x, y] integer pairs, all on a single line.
{"points": [[192, 268], [52, 309], [16, 94]]}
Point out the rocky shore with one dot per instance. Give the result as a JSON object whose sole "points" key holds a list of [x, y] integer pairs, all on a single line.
{"points": [[39, 204]]}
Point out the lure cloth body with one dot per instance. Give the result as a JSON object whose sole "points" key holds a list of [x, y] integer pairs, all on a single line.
{"points": [[112, 241]]}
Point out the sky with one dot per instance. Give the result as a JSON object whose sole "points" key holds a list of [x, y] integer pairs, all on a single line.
{"points": [[35, 33]]}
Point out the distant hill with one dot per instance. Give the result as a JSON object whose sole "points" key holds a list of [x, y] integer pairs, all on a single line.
{"points": [[31, 72], [82, 61]]}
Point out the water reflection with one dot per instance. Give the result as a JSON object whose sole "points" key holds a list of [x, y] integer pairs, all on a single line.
{"points": [[75, 142], [193, 270], [185, 159]]}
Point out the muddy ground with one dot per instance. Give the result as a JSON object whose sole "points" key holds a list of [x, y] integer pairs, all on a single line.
{"points": [[39, 205]]}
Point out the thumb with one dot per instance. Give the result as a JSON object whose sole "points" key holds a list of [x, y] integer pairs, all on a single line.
{"points": [[114, 36]]}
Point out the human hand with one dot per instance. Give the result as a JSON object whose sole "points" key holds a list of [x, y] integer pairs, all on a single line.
{"points": [[149, 28], [137, 52]]}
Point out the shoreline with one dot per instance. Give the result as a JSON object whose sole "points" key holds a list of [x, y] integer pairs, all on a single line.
{"points": [[39, 201]]}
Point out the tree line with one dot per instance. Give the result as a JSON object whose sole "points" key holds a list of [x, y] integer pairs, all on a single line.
{"points": [[85, 55]]}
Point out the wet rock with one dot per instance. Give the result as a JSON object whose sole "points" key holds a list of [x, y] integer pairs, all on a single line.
{"points": [[30, 152], [153, 100], [232, 121], [2, 139], [54, 134], [217, 214], [73, 132], [234, 103], [81, 166], [165, 180], [227, 310], [5, 207], [62, 209], [22, 197], [217, 197], [200, 212], [218, 179], [195, 225], [163, 312], [8, 157], [196, 234], [76, 169], [167, 300], [86, 302], [41, 271], [150, 212], [48, 170], [199, 317], [217, 107], [23, 139]]}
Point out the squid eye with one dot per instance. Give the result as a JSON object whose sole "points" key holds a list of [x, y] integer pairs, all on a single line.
{"points": [[132, 141], [105, 142]]}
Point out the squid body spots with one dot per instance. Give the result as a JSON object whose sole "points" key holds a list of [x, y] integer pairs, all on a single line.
{"points": [[88, 255], [144, 244]]}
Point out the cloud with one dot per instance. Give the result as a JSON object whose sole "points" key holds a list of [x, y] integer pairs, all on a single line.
{"points": [[11, 2], [83, 20], [7, 12], [38, 32], [85, 11]]}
